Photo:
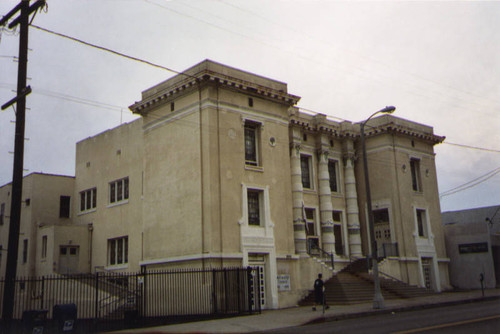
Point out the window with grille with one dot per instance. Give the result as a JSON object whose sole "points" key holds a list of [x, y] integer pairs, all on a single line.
{"points": [[254, 214], [252, 133]]}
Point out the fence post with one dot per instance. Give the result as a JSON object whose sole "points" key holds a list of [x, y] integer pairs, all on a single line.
{"points": [[96, 295], [250, 289], [214, 292], [42, 293]]}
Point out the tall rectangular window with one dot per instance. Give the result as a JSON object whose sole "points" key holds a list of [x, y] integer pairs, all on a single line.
{"points": [[332, 171], [416, 181], [88, 199], [25, 250], [252, 143], [254, 199], [118, 190], [2, 213], [310, 225], [64, 206], [118, 251], [305, 166], [44, 247], [421, 223]]}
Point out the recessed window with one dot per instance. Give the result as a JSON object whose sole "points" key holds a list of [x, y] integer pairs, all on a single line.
{"points": [[28, 202], [304, 137], [252, 135], [25, 250], [415, 174], [118, 190], [254, 203], [2, 213], [172, 106], [64, 206], [333, 173], [118, 251], [44, 247], [88, 199], [306, 167], [310, 222], [421, 223], [250, 102]]}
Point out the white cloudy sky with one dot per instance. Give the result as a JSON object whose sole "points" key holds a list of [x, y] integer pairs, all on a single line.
{"points": [[437, 62]]}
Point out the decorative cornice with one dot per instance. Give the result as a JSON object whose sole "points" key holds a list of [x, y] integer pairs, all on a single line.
{"points": [[209, 77]]}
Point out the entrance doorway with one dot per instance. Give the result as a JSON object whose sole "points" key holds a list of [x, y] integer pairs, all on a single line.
{"points": [[382, 232], [68, 259], [427, 271], [258, 262]]}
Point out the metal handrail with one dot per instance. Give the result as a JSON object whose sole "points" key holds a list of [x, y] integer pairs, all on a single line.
{"points": [[324, 254]]}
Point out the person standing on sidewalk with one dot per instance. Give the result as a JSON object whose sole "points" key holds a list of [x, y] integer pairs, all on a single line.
{"points": [[319, 292]]}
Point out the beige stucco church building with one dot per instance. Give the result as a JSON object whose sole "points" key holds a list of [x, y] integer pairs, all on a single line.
{"points": [[222, 170]]}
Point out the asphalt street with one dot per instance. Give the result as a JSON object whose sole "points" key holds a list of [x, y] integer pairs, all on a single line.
{"points": [[479, 317]]}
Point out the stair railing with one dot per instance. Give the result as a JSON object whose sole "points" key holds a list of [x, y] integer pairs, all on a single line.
{"points": [[315, 250]]}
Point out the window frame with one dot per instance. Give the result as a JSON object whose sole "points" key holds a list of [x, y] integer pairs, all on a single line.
{"points": [[258, 195], [2, 213], [119, 191], [25, 251], [64, 208], [421, 222], [310, 221], [88, 200], [252, 152], [115, 247], [416, 176], [309, 173], [336, 178], [43, 253]]}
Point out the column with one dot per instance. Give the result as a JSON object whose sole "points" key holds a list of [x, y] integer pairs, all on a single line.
{"points": [[299, 226], [353, 228], [325, 202]]}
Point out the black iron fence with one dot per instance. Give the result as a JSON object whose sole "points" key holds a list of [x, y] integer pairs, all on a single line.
{"points": [[145, 295]]}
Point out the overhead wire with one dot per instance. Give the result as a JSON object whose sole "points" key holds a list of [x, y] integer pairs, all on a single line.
{"points": [[390, 66], [470, 184]]}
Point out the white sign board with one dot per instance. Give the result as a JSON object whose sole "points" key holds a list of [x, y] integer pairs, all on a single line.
{"points": [[284, 283]]}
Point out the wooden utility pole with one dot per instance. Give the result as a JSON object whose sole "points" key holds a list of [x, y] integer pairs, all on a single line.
{"points": [[17, 177]]}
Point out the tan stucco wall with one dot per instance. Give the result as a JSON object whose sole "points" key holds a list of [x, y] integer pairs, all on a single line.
{"points": [[107, 157]]}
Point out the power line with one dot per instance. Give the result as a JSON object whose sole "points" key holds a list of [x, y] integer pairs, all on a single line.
{"points": [[473, 147], [110, 51], [471, 183]]}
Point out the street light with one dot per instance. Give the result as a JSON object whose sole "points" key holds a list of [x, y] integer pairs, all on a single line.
{"points": [[378, 299]]}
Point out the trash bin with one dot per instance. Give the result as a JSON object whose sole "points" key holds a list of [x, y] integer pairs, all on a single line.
{"points": [[64, 316], [34, 321]]}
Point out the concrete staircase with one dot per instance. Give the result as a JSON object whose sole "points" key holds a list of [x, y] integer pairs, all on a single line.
{"points": [[354, 285]]}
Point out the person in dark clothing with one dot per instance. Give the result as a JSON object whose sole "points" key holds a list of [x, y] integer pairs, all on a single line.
{"points": [[319, 291]]}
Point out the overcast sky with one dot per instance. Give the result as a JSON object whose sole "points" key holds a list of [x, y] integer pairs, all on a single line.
{"points": [[437, 62]]}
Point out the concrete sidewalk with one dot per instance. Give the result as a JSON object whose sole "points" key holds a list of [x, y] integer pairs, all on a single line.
{"points": [[292, 317]]}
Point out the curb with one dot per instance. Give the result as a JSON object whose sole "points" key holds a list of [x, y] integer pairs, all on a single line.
{"points": [[397, 309]]}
